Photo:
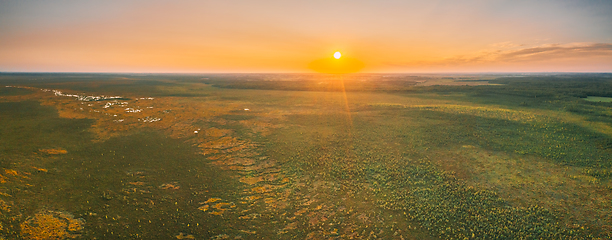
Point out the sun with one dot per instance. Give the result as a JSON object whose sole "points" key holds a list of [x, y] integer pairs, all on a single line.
{"points": [[337, 55], [336, 64]]}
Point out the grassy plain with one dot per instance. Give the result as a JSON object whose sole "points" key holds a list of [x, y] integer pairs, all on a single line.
{"points": [[272, 156], [598, 99]]}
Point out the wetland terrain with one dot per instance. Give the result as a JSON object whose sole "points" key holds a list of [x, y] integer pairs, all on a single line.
{"points": [[305, 156]]}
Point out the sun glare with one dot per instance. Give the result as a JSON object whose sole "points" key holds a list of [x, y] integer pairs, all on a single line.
{"points": [[337, 64], [337, 55]]}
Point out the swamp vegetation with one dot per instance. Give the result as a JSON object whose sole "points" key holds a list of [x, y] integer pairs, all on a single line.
{"points": [[305, 156]]}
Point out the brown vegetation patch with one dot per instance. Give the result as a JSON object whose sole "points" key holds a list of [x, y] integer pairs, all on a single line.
{"points": [[52, 225], [254, 180], [53, 151], [239, 161], [184, 236], [221, 143], [204, 208], [263, 189], [251, 180], [170, 186], [218, 208], [40, 169], [212, 200], [4, 206], [217, 133], [10, 173], [262, 128], [252, 197]]}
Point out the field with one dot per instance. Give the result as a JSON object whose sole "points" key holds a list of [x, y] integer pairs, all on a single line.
{"points": [[305, 156]]}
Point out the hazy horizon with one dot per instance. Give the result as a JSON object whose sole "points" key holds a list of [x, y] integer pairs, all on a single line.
{"points": [[355, 73]]}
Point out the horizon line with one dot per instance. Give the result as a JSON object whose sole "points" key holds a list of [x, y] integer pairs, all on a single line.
{"points": [[313, 73]]}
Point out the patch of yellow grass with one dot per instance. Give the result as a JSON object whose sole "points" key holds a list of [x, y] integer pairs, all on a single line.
{"points": [[51, 225], [212, 200], [5, 207], [204, 208], [53, 151], [40, 169]]}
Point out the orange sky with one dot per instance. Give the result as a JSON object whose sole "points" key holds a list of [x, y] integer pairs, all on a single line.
{"points": [[287, 36]]}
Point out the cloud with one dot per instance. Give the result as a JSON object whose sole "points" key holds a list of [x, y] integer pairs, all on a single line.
{"points": [[556, 51], [505, 45], [542, 53]]}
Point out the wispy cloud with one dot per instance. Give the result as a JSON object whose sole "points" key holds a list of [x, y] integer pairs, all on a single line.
{"points": [[547, 52], [542, 53], [577, 50], [505, 45]]}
